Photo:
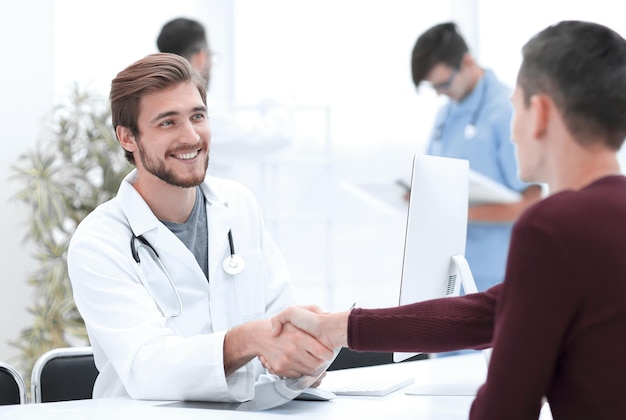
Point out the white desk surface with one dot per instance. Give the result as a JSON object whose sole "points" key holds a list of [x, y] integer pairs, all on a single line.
{"points": [[458, 369]]}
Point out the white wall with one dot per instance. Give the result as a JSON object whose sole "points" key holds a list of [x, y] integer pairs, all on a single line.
{"points": [[350, 55], [95, 40], [504, 27], [26, 94], [354, 57]]}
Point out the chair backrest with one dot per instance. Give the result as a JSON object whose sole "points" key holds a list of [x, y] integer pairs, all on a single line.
{"points": [[12, 388], [64, 374]]}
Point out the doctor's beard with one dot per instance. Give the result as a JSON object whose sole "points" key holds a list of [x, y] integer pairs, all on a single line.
{"points": [[157, 168]]}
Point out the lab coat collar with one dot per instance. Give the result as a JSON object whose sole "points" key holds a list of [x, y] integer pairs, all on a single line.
{"points": [[211, 194], [142, 221], [140, 216]]}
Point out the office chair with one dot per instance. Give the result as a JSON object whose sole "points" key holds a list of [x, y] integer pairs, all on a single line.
{"points": [[64, 374], [12, 388]]}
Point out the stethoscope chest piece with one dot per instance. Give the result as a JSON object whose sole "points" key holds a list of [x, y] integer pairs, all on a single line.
{"points": [[233, 264], [470, 131]]}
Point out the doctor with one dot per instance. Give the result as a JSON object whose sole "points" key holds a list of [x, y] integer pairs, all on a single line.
{"points": [[474, 124], [176, 276]]}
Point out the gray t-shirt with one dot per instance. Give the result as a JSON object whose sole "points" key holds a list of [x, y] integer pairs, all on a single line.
{"points": [[194, 232]]}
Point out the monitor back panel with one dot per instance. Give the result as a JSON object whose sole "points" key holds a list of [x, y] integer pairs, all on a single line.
{"points": [[436, 227]]}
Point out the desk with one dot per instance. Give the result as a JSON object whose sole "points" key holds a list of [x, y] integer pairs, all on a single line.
{"points": [[457, 369]]}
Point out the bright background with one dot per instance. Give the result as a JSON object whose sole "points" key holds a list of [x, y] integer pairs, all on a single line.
{"points": [[347, 59]]}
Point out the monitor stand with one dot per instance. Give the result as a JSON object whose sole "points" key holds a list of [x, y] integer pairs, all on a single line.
{"points": [[462, 270], [459, 274]]}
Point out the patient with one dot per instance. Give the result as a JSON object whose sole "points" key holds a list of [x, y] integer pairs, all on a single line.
{"points": [[557, 322]]}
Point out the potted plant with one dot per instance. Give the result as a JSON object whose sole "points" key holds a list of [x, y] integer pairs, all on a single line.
{"points": [[76, 165]]}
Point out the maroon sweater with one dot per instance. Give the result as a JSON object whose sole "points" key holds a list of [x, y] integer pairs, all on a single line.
{"points": [[557, 324]]}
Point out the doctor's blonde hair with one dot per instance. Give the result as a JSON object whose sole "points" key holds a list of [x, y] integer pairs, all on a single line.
{"points": [[150, 74]]}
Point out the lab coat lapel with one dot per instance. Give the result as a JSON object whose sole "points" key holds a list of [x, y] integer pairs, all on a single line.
{"points": [[219, 218], [143, 222], [136, 210]]}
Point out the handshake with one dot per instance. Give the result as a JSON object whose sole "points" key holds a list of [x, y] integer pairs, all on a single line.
{"points": [[304, 337]]}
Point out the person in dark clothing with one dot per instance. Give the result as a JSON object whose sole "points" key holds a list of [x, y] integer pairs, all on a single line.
{"points": [[556, 324]]}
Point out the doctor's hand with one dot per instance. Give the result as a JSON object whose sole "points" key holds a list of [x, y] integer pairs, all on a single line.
{"points": [[330, 329], [292, 353]]}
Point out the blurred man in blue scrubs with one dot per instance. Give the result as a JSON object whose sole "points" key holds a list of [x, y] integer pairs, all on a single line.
{"points": [[475, 124]]}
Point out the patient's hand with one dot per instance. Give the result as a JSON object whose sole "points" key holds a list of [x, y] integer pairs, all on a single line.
{"points": [[292, 353], [330, 329]]}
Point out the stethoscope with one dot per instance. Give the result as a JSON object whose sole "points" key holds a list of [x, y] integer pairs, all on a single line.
{"points": [[470, 130], [232, 264]]}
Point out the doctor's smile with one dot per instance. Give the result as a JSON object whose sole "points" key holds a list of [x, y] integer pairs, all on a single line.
{"points": [[187, 156]]}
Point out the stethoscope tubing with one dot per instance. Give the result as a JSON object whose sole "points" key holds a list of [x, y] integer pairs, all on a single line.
{"points": [[233, 264], [155, 257], [470, 130]]}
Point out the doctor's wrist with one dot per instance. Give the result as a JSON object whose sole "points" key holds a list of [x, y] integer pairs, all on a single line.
{"points": [[242, 343]]}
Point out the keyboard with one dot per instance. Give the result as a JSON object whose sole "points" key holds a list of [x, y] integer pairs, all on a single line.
{"points": [[377, 387], [456, 389]]}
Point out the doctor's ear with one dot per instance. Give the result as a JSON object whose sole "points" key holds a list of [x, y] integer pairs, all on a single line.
{"points": [[126, 138], [467, 60]]}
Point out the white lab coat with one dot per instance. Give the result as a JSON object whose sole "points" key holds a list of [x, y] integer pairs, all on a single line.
{"points": [[139, 352]]}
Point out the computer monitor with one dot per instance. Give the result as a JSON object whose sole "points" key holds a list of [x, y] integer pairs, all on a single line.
{"points": [[434, 264]]}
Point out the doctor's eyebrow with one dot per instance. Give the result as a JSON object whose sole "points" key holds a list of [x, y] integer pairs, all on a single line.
{"points": [[200, 108]]}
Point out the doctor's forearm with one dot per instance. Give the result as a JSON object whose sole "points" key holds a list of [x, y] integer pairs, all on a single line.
{"points": [[494, 213], [238, 349]]}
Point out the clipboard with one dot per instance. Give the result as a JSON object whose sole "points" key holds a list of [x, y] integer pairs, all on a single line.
{"points": [[484, 190]]}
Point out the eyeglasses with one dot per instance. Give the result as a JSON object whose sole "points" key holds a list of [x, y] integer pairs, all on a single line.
{"points": [[443, 86]]}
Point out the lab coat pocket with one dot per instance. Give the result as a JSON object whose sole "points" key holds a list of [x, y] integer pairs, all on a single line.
{"points": [[250, 287]]}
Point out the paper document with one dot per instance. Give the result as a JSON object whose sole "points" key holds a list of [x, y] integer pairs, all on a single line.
{"points": [[484, 190], [385, 196], [389, 197]]}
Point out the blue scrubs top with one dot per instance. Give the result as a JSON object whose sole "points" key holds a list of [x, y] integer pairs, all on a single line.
{"points": [[490, 152]]}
